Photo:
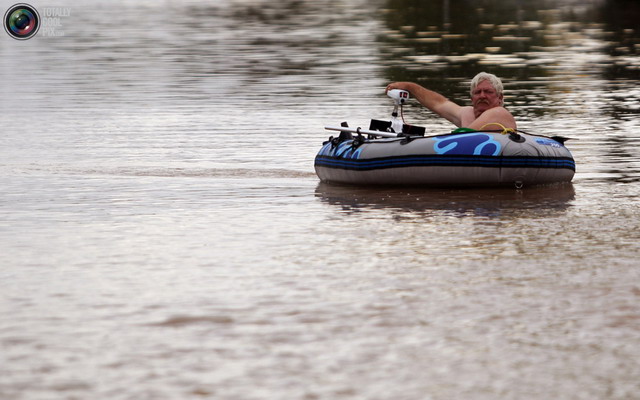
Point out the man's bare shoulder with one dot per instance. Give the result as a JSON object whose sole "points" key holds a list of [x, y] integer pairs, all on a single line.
{"points": [[500, 114], [495, 115]]}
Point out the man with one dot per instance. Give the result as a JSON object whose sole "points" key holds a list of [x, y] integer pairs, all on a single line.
{"points": [[487, 109]]}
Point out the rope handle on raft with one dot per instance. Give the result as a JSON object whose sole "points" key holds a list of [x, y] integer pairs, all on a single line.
{"points": [[505, 130]]}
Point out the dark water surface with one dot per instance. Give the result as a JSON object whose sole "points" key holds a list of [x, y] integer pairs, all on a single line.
{"points": [[163, 234]]}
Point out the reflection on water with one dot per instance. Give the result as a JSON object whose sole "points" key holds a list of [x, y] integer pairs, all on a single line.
{"points": [[463, 202], [523, 41]]}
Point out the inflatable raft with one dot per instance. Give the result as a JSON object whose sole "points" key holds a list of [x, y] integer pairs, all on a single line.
{"points": [[460, 158]]}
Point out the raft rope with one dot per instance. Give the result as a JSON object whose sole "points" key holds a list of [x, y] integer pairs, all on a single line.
{"points": [[513, 133], [505, 130]]}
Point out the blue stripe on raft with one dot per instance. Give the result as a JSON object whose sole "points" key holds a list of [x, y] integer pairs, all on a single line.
{"points": [[442, 160]]}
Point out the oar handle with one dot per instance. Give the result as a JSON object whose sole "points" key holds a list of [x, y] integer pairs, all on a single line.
{"points": [[362, 131]]}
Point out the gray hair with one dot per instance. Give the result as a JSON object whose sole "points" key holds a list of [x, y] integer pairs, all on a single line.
{"points": [[483, 76]]}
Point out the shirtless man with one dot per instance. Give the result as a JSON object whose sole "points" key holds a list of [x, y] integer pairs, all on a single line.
{"points": [[487, 110]]}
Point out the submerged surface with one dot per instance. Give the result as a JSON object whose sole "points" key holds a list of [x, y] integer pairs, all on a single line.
{"points": [[163, 234]]}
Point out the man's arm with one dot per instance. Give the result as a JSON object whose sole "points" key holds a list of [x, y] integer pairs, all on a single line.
{"points": [[432, 100]]}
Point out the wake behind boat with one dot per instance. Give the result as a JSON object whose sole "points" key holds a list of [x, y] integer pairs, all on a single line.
{"points": [[460, 158]]}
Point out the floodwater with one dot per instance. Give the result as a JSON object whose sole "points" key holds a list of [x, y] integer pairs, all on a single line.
{"points": [[163, 234]]}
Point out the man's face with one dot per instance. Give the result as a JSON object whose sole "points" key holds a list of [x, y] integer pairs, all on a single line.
{"points": [[485, 97]]}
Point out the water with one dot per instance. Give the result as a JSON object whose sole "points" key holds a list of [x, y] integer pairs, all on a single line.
{"points": [[163, 234]]}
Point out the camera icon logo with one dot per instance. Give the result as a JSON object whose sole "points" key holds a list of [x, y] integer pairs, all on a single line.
{"points": [[21, 21]]}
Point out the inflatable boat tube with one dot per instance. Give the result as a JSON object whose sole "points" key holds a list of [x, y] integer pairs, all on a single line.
{"points": [[456, 159]]}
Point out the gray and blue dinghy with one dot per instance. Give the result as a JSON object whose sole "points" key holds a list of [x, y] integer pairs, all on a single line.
{"points": [[460, 158]]}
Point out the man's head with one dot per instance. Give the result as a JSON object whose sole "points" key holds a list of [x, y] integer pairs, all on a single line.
{"points": [[486, 91]]}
